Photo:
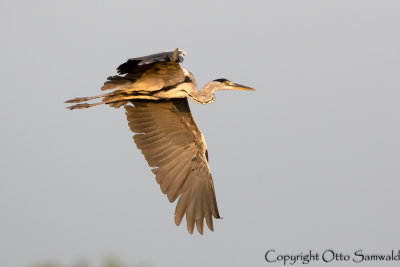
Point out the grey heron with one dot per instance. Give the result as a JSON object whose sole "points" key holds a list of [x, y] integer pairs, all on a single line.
{"points": [[164, 130]]}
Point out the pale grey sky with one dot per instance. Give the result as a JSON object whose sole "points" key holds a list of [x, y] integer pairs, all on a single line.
{"points": [[308, 161]]}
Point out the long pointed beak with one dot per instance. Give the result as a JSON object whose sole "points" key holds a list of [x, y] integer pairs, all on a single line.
{"points": [[237, 86]]}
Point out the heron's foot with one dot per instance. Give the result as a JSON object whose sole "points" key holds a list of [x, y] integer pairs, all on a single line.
{"points": [[83, 105]]}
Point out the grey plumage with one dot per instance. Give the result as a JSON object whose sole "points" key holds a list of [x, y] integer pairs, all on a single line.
{"points": [[165, 131]]}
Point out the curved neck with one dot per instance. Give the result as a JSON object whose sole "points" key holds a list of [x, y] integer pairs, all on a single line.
{"points": [[205, 95]]}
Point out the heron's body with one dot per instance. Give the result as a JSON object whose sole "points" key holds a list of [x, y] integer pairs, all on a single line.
{"points": [[165, 130]]}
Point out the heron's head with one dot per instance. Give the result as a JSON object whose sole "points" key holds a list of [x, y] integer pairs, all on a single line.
{"points": [[224, 84]]}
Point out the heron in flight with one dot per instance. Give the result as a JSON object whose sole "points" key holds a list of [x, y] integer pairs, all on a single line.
{"points": [[157, 88]]}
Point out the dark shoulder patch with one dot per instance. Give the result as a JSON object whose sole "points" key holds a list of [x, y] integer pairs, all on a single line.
{"points": [[221, 80], [134, 64]]}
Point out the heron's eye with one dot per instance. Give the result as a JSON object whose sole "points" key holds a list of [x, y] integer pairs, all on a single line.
{"points": [[228, 83]]}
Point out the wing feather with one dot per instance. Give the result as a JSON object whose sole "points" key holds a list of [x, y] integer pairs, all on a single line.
{"points": [[170, 140], [145, 77], [177, 184], [133, 64], [148, 72]]}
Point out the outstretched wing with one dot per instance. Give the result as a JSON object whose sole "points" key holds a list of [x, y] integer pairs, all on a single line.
{"points": [[173, 144], [152, 72]]}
